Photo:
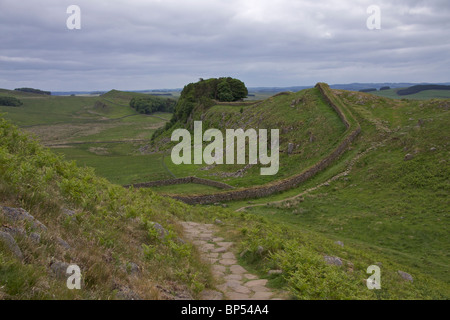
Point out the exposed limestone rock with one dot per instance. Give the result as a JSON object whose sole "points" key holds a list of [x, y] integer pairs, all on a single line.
{"points": [[339, 243], [336, 261], [162, 233], [59, 269], [405, 276], [11, 244], [19, 214], [290, 148]]}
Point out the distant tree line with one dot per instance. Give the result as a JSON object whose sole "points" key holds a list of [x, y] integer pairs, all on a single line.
{"points": [[10, 102], [421, 87], [150, 105], [385, 88], [368, 90], [36, 91]]}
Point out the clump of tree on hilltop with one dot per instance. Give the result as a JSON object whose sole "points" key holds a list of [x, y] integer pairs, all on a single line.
{"points": [[10, 102], [35, 91], [149, 105], [202, 94]]}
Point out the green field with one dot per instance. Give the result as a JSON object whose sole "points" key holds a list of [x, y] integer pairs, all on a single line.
{"points": [[390, 206], [423, 95], [110, 137]]}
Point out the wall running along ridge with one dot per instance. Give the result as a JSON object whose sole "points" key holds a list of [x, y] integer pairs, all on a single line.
{"points": [[353, 129]]}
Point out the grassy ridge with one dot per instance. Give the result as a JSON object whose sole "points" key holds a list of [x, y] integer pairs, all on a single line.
{"points": [[392, 206], [422, 95], [387, 210]]}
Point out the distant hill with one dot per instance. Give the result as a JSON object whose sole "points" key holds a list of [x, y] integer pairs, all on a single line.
{"points": [[36, 91], [419, 88]]}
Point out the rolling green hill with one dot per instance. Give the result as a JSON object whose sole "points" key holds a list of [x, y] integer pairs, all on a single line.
{"points": [[422, 94], [382, 202], [101, 132]]}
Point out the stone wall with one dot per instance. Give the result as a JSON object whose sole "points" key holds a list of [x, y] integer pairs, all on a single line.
{"points": [[170, 182]]}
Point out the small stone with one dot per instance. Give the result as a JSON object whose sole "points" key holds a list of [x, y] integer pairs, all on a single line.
{"points": [[237, 296], [228, 255], [433, 149], [125, 293], [133, 268], [35, 237], [243, 253], [217, 221], [68, 212], [14, 214], [250, 276], [225, 244], [228, 262], [339, 243], [207, 247], [211, 295], [162, 233], [11, 244], [63, 243], [262, 296], [255, 283], [236, 286], [290, 148], [218, 268], [237, 269], [405, 276], [336, 261], [236, 277], [408, 157], [59, 269]]}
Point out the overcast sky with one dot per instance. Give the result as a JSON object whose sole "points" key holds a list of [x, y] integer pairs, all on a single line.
{"points": [[148, 44]]}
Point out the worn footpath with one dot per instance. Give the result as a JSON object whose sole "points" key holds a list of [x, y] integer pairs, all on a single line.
{"points": [[235, 282]]}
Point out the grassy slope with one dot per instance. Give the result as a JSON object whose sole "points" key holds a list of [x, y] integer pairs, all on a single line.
{"points": [[107, 214], [423, 95], [112, 228], [390, 206]]}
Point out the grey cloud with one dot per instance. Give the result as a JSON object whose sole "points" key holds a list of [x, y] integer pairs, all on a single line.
{"points": [[152, 44]]}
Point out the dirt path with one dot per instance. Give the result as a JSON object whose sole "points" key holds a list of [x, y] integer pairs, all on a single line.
{"points": [[236, 283]]}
